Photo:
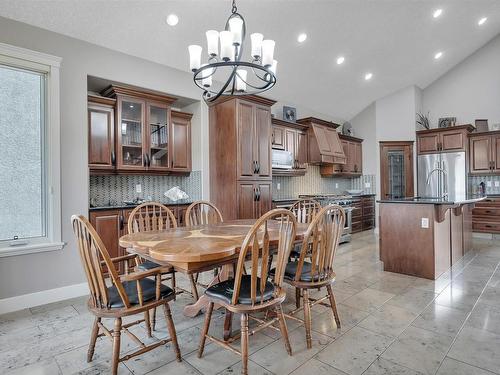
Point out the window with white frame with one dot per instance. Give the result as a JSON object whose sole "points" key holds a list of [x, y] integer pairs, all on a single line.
{"points": [[30, 203]]}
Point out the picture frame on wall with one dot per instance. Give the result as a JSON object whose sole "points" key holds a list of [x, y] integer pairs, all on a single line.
{"points": [[481, 125], [289, 114], [446, 122]]}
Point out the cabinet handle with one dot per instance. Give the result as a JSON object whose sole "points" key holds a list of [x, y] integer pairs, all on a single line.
{"points": [[258, 166], [144, 161], [272, 138], [120, 220], [254, 194], [258, 194], [172, 163], [113, 158], [148, 160]]}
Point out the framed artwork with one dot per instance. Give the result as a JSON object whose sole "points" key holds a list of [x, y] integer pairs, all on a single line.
{"points": [[446, 122], [289, 114], [481, 125]]}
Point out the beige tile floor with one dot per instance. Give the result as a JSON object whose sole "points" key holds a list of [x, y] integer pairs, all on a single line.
{"points": [[391, 324]]}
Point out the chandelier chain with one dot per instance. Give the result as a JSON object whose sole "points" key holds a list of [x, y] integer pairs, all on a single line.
{"points": [[234, 8]]}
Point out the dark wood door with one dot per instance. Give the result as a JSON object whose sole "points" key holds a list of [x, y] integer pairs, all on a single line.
{"points": [[453, 141], [301, 149], [109, 225], [428, 143], [246, 138], [180, 142], [131, 140], [264, 198], [357, 155], [262, 140], [495, 153], [246, 200], [278, 138], [159, 137], [480, 154], [101, 137], [396, 169], [290, 144]]}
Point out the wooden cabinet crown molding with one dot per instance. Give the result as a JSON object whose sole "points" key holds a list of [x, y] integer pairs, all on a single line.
{"points": [[314, 120], [482, 134], [288, 124], [183, 115], [350, 138], [113, 90], [249, 98], [97, 99], [467, 127]]}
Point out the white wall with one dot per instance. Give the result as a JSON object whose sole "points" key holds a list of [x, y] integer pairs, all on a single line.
{"points": [[364, 125], [469, 91]]}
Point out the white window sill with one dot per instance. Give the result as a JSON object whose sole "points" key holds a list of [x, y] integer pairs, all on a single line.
{"points": [[30, 249]]}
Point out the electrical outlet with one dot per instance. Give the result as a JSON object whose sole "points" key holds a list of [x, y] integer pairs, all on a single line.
{"points": [[138, 188], [488, 183], [336, 185], [278, 186], [497, 183], [425, 222], [367, 184]]}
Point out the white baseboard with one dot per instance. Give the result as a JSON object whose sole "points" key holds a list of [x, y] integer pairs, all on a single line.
{"points": [[43, 297]]}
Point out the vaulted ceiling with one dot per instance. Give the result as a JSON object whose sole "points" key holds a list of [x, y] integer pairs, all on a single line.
{"points": [[396, 40]]}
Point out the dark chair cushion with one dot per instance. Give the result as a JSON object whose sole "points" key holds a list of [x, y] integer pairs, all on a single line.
{"points": [[148, 265], [291, 270], [224, 291], [148, 292]]}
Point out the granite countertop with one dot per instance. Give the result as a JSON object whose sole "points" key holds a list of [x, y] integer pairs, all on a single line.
{"points": [[437, 201], [122, 206]]}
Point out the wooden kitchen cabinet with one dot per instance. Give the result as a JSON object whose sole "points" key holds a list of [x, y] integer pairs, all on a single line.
{"points": [[486, 216], [484, 153], [101, 133], [363, 213], [146, 138], [109, 225], [180, 141], [353, 166], [292, 138], [240, 139], [443, 139]]}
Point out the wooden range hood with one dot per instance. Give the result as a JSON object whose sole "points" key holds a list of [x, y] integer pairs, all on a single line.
{"points": [[324, 142]]}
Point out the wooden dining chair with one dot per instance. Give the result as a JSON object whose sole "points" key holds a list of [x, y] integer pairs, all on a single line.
{"points": [[128, 294], [147, 217], [201, 213], [254, 292], [314, 268]]}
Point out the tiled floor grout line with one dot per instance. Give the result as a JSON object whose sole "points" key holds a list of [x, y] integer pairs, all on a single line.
{"points": [[467, 318]]}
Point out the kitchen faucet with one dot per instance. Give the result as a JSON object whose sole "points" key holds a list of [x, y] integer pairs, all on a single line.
{"points": [[445, 173]]}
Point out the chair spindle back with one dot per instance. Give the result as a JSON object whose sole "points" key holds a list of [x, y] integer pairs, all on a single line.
{"points": [[305, 210], [278, 226], [151, 216], [321, 242], [202, 213], [95, 257]]}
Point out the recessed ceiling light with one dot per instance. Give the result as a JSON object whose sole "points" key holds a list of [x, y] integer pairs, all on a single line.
{"points": [[302, 37], [482, 21], [368, 76], [340, 60], [437, 13], [172, 19], [438, 55]]}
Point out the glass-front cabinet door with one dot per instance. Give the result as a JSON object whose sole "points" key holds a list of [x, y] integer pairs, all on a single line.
{"points": [[131, 153], [158, 119], [396, 169], [396, 175]]}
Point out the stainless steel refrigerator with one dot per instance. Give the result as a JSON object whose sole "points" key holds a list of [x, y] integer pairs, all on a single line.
{"points": [[442, 175]]}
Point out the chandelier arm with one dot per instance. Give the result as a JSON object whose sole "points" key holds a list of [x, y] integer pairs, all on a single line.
{"points": [[221, 91]]}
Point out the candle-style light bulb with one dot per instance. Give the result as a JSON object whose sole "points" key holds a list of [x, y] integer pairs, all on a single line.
{"points": [[212, 42], [273, 66], [236, 27], [256, 39], [241, 77], [226, 45], [206, 76], [194, 57], [267, 52]]}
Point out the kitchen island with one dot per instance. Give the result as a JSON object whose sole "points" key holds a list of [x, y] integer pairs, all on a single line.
{"points": [[424, 237]]}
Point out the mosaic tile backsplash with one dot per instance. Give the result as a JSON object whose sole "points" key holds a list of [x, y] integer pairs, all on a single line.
{"points": [[489, 181], [113, 190], [312, 183]]}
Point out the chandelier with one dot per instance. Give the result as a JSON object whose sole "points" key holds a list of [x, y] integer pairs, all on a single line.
{"points": [[225, 74]]}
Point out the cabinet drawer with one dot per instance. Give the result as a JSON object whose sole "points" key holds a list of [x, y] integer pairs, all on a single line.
{"points": [[368, 223], [486, 211], [368, 211], [356, 212], [357, 227], [487, 227], [369, 201]]}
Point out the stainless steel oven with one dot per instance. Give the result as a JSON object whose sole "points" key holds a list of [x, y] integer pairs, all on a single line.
{"points": [[345, 201]]}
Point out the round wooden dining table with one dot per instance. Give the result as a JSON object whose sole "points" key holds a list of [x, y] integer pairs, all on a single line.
{"points": [[200, 248]]}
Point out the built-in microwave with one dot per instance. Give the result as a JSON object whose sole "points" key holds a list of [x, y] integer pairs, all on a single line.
{"points": [[282, 159]]}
